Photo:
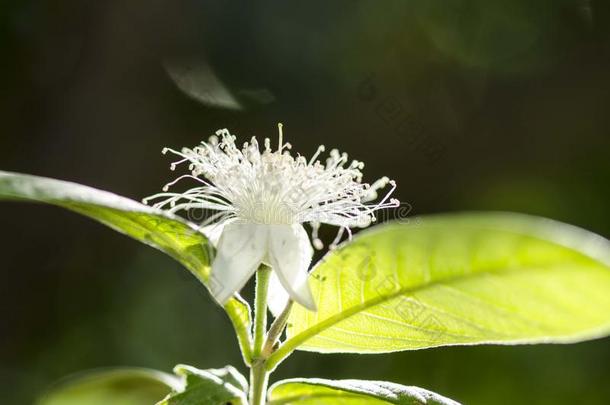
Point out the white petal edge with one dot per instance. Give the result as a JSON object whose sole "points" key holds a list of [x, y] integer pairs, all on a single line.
{"points": [[241, 249], [290, 255], [277, 297], [213, 232]]}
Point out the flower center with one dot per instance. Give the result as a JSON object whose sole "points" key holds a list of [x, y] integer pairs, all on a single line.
{"points": [[274, 187]]}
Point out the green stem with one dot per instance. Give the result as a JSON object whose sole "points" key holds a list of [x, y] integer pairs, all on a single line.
{"points": [[280, 354], [259, 376], [276, 329], [260, 309]]}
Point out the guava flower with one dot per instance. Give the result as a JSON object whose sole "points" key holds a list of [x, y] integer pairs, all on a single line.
{"points": [[259, 201]]}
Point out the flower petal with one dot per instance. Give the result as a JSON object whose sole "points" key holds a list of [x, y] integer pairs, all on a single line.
{"points": [[241, 249], [277, 297], [213, 232], [290, 254]]}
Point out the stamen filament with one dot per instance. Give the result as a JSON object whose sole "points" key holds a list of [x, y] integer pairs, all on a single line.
{"points": [[263, 186]]}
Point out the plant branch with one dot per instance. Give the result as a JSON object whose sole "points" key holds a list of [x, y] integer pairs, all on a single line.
{"points": [[259, 376], [277, 327], [260, 308]]}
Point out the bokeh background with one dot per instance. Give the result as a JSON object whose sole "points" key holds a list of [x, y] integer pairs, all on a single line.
{"points": [[469, 105]]}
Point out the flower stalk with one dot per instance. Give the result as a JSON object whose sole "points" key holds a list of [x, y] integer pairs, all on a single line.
{"points": [[260, 309], [259, 376]]}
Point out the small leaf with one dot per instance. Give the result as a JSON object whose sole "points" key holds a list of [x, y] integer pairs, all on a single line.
{"points": [[457, 279], [208, 387], [315, 391], [128, 386], [228, 374]]}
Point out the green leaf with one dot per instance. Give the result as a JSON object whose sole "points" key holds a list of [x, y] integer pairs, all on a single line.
{"points": [[458, 279], [171, 234], [317, 391], [208, 387], [129, 386], [156, 228]]}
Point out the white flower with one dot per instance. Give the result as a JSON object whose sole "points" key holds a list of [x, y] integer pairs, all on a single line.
{"points": [[259, 201]]}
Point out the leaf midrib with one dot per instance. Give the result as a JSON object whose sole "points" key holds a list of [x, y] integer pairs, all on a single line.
{"points": [[346, 394], [292, 343]]}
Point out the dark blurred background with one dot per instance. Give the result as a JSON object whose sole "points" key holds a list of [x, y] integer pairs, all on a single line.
{"points": [[469, 105]]}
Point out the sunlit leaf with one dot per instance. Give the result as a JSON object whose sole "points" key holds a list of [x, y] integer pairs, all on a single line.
{"points": [[317, 391], [168, 233], [209, 387], [129, 386], [457, 279]]}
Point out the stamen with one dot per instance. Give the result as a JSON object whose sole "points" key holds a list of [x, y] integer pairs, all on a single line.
{"points": [[335, 242], [320, 149], [281, 137], [265, 186]]}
